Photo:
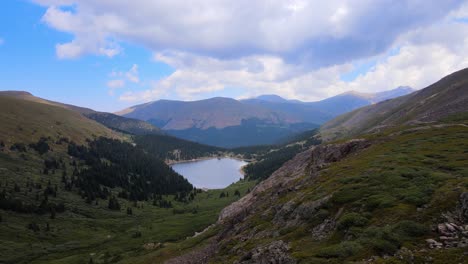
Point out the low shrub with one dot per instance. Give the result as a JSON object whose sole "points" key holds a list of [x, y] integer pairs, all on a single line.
{"points": [[342, 250], [410, 229], [352, 219], [380, 201]]}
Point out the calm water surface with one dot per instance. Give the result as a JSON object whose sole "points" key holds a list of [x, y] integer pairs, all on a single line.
{"points": [[212, 173]]}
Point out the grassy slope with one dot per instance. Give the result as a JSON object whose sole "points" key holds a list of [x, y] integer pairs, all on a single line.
{"points": [[422, 168], [121, 124], [433, 103], [385, 184], [29, 97], [27, 121]]}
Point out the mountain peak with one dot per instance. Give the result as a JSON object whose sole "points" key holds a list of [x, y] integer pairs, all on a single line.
{"points": [[271, 98], [403, 88], [389, 94]]}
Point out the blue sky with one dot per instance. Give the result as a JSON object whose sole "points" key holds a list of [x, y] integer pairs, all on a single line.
{"points": [[114, 54], [30, 62]]}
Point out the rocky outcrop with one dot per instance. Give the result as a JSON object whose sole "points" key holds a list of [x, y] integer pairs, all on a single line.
{"points": [[450, 235], [454, 231], [274, 253], [288, 172], [306, 163]]}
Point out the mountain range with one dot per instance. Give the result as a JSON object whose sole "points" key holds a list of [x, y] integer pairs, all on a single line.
{"points": [[265, 119]]}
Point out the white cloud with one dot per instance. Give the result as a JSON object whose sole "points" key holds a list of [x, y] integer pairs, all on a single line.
{"points": [[132, 74], [90, 36], [119, 78], [118, 83], [296, 48], [422, 57], [320, 33]]}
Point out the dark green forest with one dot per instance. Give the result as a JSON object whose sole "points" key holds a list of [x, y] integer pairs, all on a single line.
{"points": [[110, 163], [168, 147], [269, 161]]}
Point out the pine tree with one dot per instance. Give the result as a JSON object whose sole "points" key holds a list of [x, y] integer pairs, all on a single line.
{"points": [[113, 203], [52, 213], [17, 188]]}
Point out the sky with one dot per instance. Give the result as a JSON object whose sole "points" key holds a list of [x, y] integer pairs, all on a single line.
{"points": [[112, 54]]}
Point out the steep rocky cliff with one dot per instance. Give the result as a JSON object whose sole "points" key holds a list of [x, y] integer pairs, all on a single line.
{"points": [[307, 163]]}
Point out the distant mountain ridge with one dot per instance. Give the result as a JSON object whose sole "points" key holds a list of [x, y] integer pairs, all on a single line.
{"points": [[221, 112], [217, 112], [115, 122], [227, 122]]}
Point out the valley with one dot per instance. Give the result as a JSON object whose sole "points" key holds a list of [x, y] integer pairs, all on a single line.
{"points": [[233, 132], [92, 187]]}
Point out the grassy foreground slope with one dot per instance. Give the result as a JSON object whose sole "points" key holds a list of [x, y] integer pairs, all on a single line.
{"points": [[374, 202]]}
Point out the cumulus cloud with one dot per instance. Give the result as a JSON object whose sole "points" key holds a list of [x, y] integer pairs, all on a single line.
{"points": [[317, 32], [295, 48], [90, 36], [418, 59]]}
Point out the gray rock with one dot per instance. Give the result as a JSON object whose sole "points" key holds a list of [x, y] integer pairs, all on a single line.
{"points": [[441, 228], [274, 253], [450, 227]]}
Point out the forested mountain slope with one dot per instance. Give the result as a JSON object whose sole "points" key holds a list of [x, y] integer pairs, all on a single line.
{"points": [[124, 124]]}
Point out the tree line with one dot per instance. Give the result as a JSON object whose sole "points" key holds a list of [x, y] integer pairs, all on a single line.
{"points": [[112, 163], [168, 147]]}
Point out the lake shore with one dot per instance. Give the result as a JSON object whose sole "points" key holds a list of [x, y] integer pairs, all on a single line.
{"points": [[211, 172], [172, 162]]}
